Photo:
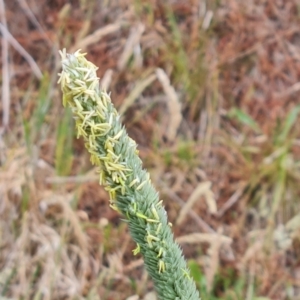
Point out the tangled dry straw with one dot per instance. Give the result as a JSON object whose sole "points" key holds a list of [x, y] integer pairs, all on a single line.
{"points": [[42, 244]]}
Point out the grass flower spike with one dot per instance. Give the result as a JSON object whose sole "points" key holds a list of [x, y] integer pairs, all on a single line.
{"points": [[128, 184]]}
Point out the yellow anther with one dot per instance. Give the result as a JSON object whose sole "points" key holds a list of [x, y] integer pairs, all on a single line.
{"points": [[152, 221], [160, 253], [186, 273], [154, 212], [158, 228], [141, 185], [140, 215], [114, 207], [137, 249], [133, 182], [161, 266], [118, 135], [159, 204]]}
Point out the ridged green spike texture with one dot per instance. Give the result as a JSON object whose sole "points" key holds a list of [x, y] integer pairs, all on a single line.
{"points": [[128, 184]]}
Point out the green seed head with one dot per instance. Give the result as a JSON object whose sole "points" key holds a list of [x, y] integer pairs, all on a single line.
{"points": [[127, 183]]}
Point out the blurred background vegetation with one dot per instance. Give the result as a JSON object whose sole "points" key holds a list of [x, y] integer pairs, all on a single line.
{"points": [[210, 92]]}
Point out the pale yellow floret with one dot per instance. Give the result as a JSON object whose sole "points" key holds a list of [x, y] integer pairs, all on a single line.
{"points": [[114, 207], [101, 177], [140, 215], [154, 212], [186, 273], [117, 136], [159, 204], [100, 103], [80, 131], [113, 155], [110, 121], [152, 237], [63, 54], [92, 143], [105, 99], [112, 194], [88, 114], [161, 266], [108, 145], [116, 167], [115, 188], [94, 84], [160, 253], [142, 184], [81, 83], [137, 249], [95, 160], [78, 105], [115, 177], [133, 182], [152, 220], [158, 228], [134, 207]]}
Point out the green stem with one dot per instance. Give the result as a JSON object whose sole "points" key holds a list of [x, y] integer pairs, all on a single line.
{"points": [[127, 183]]}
